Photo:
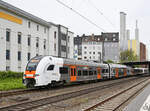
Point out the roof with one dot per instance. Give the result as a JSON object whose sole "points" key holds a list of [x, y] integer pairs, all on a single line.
{"points": [[22, 13], [137, 63]]}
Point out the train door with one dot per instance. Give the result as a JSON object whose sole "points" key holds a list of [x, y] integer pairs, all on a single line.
{"points": [[117, 73], [73, 74], [98, 73], [125, 72]]}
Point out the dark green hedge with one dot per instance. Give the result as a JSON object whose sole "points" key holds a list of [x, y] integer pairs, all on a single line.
{"points": [[10, 74]]}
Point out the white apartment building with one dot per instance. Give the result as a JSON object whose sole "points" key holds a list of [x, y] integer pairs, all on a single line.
{"points": [[23, 36], [92, 51], [92, 48]]}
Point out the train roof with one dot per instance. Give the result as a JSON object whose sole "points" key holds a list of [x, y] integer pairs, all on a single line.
{"points": [[81, 62], [118, 65]]}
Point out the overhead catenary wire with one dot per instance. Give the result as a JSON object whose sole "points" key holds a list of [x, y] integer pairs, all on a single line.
{"points": [[101, 13], [90, 21]]}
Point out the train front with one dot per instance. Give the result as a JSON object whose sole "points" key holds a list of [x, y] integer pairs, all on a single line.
{"points": [[30, 75]]}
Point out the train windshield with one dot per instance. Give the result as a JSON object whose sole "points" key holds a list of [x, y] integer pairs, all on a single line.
{"points": [[32, 65]]}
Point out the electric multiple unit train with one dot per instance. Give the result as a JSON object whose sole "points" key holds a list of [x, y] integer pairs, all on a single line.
{"points": [[49, 70]]}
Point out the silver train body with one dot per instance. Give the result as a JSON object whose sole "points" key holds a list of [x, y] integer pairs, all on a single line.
{"points": [[49, 70]]}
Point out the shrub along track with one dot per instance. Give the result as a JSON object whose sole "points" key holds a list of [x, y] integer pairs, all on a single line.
{"points": [[48, 100]]}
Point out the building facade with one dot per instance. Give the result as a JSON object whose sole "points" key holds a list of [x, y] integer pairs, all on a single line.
{"points": [[142, 52], [134, 45], [97, 47], [24, 36], [111, 46], [92, 48]]}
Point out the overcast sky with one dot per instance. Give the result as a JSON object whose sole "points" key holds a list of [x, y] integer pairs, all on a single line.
{"points": [[51, 10]]}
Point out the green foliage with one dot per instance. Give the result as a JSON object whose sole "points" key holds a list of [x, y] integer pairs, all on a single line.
{"points": [[10, 74], [110, 61], [10, 80], [128, 56], [11, 83]]}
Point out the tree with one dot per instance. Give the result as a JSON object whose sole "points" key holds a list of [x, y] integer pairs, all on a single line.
{"points": [[128, 56]]}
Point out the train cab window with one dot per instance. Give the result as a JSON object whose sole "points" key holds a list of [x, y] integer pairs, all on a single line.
{"points": [[63, 70], [79, 72], [51, 67]]}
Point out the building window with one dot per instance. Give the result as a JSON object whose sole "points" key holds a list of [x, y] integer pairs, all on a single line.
{"points": [[7, 54], [29, 40], [68, 38], [19, 56], [63, 48], [85, 52], [114, 39], [7, 68], [93, 52], [44, 43], [7, 35], [37, 54], [55, 47], [19, 37], [37, 42], [85, 57], [29, 55], [114, 35], [44, 29], [37, 27], [55, 34], [85, 47], [29, 24], [68, 49], [93, 57]]}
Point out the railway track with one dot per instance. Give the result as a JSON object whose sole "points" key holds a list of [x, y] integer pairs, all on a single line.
{"points": [[115, 101], [44, 101], [24, 91]]}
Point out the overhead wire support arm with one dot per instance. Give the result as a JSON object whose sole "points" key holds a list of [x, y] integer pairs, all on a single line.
{"points": [[81, 15]]}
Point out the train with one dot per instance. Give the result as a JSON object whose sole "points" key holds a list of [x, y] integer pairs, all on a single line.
{"points": [[50, 70]]}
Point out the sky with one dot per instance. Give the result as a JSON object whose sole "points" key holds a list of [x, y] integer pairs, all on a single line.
{"points": [[109, 20]]}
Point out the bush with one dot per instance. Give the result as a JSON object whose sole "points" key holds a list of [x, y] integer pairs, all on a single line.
{"points": [[10, 74]]}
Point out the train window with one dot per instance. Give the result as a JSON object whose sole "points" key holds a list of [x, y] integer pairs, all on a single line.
{"points": [[74, 72], [106, 71], [103, 70], [90, 72], [63, 70], [85, 72], [51, 67], [114, 71], [79, 72], [71, 72], [95, 73]]}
